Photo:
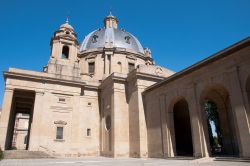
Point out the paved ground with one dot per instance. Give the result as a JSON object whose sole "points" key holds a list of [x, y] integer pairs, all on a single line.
{"points": [[117, 162]]}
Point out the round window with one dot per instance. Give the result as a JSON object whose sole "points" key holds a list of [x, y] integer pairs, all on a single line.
{"points": [[108, 122]]}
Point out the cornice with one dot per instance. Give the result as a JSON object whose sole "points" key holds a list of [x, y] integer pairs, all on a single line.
{"points": [[203, 63], [8, 74], [138, 75], [114, 50]]}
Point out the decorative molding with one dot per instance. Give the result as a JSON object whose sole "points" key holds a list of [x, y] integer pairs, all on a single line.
{"points": [[9, 89], [130, 57], [39, 92], [61, 108], [158, 71], [90, 57], [60, 122], [42, 78]]}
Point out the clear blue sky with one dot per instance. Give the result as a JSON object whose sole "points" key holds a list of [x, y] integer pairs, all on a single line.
{"points": [[178, 32]]}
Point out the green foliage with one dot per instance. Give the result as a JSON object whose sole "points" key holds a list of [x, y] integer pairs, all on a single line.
{"points": [[216, 142], [213, 116], [210, 108], [1, 154]]}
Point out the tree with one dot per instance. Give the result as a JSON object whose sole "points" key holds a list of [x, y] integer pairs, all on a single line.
{"points": [[212, 116]]}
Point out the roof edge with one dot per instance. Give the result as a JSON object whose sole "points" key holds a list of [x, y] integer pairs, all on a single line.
{"points": [[219, 55]]}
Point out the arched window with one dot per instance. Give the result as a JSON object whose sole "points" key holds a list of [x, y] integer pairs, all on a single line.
{"points": [[65, 52]]}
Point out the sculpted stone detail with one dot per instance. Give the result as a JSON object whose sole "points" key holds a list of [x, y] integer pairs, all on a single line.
{"points": [[60, 122], [158, 71]]}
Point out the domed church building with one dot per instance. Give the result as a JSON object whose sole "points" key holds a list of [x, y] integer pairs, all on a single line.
{"points": [[105, 96]]}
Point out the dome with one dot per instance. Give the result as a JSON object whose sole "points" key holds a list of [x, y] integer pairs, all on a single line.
{"points": [[112, 36], [117, 37], [66, 25]]}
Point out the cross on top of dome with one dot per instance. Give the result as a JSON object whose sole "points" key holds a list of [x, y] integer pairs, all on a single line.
{"points": [[66, 25]]}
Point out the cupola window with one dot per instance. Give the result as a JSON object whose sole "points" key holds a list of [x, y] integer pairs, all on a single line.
{"points": [[65, 52], [94, 39], [127, 39]]}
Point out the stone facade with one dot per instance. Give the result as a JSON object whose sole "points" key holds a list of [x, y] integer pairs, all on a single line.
{"points": [[107, 97], [223, 78]]}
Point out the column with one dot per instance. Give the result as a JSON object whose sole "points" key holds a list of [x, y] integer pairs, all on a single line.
{"points": [[35, 128], [164, 128], [240, 115], [199, 142], [142, 124], [110, 64], [106, 65], [137, 124], [5, 116], [120, 121], [169, 142]]}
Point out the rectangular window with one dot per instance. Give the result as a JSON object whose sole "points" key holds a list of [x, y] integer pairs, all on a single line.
{"points": [[61, 100], [88, 132], [59, 133], [131, 66], [91, 67]]}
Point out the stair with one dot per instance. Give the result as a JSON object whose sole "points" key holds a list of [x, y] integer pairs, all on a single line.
{"points": [[181, 158], [25, 154], [232, 159]]}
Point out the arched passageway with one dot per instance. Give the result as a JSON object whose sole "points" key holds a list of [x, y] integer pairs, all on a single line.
{"points": [[20, 120], [182, 129], [221, 133]]}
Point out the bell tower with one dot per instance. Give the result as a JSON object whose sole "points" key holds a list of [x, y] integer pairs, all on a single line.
{"points": [[63, 59]]}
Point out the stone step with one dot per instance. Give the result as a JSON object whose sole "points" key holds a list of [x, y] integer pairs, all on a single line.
{"points": [[233, 159], [181, 158], [25, 154]]}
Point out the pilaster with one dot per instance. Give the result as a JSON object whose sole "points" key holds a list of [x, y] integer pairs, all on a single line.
{"points": [[239, 112], [120, 120], [35, 124], [5, 116], [198, 138]]}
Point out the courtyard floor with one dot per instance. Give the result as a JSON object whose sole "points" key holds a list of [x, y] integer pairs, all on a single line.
{"points": [[92, 161]]}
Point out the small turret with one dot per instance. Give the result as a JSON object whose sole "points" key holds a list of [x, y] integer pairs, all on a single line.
{"points": [[64, 43], [110, 21]]}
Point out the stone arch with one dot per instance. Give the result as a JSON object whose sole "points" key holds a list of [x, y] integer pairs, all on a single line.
{"points": [[180, 127], [220, 132]]}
